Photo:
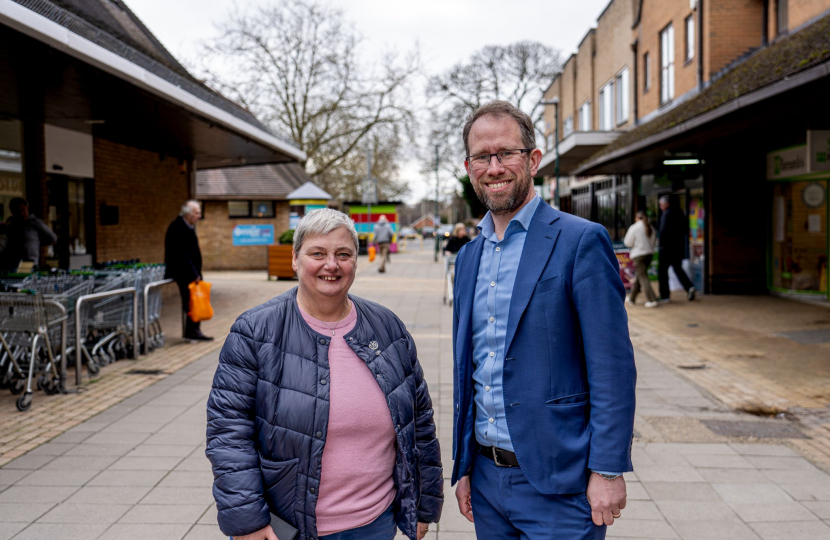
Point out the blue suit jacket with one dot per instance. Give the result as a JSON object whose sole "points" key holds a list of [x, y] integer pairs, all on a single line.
{"points": [[569, 372]]}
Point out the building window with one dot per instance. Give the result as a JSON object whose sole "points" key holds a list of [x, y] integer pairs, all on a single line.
{"points": [[585, 116], [569, 126], [239, 209], [646, 72], [782, 22], [251, 209], [622, 96], [606, 107], [262, 209], [549, 142], [667, 64], [690, 37]]}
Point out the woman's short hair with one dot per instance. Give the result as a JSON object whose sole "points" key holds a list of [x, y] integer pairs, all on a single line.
{"points": [[458, 227], [321, 222]]}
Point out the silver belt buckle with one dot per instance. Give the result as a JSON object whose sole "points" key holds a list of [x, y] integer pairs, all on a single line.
{"points": [[496, 458]]}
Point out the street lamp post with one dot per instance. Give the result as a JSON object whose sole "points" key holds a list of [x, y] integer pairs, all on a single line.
{"points": [[435, 219], [555, 103]]}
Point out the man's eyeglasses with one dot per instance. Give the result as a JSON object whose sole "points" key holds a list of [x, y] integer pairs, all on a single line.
{"points": [[480, 162]]}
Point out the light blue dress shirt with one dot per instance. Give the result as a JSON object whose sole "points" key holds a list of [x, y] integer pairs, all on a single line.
{"points": [[491, 305]]}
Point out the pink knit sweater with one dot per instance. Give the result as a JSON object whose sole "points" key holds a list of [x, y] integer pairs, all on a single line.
{"points": [[356, 483]]}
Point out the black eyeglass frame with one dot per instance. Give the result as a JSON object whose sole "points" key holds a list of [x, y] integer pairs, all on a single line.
{"points": [[521, 151]]}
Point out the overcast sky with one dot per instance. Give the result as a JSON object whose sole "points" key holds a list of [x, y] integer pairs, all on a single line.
{"points": [[448, 31]]}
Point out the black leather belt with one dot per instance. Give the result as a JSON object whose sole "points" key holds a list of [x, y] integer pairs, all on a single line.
{"points": [[502, 458]]}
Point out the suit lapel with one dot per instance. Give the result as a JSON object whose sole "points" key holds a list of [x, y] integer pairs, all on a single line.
{"points": [[464, 294], [539, 243]]}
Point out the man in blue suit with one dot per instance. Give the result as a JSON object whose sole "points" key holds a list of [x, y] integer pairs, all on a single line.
{"points": [[544, 370]]}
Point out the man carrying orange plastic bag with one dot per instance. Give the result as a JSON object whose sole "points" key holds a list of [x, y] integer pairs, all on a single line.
{"points": [[184, 263]]}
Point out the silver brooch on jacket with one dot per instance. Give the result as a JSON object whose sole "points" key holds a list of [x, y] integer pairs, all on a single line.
{"points": [[373, 345]]}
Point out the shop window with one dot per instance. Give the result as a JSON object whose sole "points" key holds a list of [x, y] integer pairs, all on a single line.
{"points": [[585, 116], [239, 209], [799, 237], [262, 209], [622, 96], [568, 126], [606, 107], [667, 64]]}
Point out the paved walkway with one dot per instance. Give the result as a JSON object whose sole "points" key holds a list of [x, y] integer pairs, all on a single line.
{"points": [[137, 470]]}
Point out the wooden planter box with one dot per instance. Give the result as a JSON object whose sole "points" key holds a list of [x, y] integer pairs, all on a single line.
{"points": [[279, 261]]}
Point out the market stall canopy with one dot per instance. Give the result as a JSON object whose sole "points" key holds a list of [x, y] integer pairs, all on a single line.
{"points": [[275, 181]]}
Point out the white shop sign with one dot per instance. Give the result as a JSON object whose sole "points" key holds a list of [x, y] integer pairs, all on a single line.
{"points": [[787, 163], [68, 152]]}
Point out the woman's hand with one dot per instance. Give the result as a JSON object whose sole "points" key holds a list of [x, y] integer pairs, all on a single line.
{"points": [[423, 528], [265, 533]]}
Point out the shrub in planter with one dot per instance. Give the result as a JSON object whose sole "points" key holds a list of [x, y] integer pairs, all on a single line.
{"points": [[287, 237]]}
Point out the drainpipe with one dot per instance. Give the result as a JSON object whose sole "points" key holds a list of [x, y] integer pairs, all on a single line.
{"points": [[765, 25], [699, 37], [636, 106]]}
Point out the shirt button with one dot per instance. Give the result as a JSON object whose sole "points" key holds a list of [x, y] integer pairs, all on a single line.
{"points": [[498, 249], [492, 284], [319, 434], [486, 388], [492, 319], [492, 354], [491, 420]]}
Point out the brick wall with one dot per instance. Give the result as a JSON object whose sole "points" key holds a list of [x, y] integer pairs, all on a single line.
{"points": [[731, 29], [584, 88], [613, 46], [216, 238], [801, 11], [568, 101], [148, 192], [656, 15], [549, 115]]}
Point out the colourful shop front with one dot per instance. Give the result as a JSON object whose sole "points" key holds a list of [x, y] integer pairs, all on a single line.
{"points": [[798, 243], [365, 217]]}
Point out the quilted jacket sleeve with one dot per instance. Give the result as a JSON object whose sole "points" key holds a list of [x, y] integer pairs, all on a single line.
{"points": [[432, 474], [231, 447]]}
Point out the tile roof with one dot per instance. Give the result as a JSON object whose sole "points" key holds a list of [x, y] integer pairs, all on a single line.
{"points": [[784, 58], [273, 181]]}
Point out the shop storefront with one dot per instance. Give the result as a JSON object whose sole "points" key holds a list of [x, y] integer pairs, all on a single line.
{"points": [[798, 240]]}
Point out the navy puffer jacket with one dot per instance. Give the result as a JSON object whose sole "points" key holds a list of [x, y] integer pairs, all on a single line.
{"points": [[268, 414]]}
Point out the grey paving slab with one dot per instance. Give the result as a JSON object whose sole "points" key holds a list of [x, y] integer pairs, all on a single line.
{"points": [[164, 513], [160, 450], [72, 437], [29, 462], [777, 462], [819, 508], [188, 439], [10, 476], [751, 493], [680, 491], [641, 528], [797, 476], [7, 530], [205, 532], [117, 438], [671, 473], [178, 495], [773, 511], [763, 450], [109, 494], [635, 509], [63, 531], [789, 530], [635, 491], [146, 463], [195, 463], [808, 492], [84, 449], [710, 510], [733, 476], [85, 513], [57, 478], [718, 461], [135, 427], [703, 529], [23, 512], [80, 463], [130, 531], [94, 425], [127, 478], [188, 479], [37, 494], [51, 449]]}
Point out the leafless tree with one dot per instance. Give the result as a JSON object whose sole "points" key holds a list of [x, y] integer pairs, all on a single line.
{"points": [[518, 73], [297, 66]]}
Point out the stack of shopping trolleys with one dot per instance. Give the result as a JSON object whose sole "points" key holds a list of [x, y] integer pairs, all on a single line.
{"points": [[41, 315]]}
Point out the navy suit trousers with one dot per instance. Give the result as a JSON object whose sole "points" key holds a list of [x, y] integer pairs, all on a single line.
{"points": [[507, 507]]}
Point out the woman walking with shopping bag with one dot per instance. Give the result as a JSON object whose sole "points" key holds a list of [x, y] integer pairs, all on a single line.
{"points": [[640, 238]]}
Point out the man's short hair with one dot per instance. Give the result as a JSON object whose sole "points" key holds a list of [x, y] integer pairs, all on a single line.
{"points": [[187, 207], [665, 199], [16, 204], [502, 109]]}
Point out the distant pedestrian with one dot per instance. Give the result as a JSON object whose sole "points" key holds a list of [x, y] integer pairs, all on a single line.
{"points": [[640, 239], [673, 233], [184, 261], [25, 235], [457, 240], [383, 236]]}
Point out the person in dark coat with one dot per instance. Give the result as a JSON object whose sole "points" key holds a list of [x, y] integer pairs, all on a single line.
{"points": [[183, 260], [457, 240], [319, 411], [25, 234], [673, 231]]}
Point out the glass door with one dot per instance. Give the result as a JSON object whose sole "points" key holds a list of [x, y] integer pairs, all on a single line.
{"points": [[798, 251]]}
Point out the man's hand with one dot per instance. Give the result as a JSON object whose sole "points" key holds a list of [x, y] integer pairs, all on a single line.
{"points": [[462, 493], [265, 533], [607, 498], [423, 528]]}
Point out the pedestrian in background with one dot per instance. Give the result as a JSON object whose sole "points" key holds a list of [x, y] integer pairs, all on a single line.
{"points": [[640, 238], [383, 236], [25, 235], [457, 240], [183, 259], [673, 236], [320, 412]]}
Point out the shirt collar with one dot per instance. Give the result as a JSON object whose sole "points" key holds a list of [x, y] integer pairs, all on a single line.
{"points": [[522, 218]]}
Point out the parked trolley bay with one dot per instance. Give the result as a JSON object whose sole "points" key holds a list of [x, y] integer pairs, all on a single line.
{"points": [[50, 321]]}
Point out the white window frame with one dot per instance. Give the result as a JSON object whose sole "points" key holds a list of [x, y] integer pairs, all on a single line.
{"points": [[646, 72], [568, 126], [549, 142], [623, 95], [585, 116], [690, 37], [606, 106], [667, 64]]}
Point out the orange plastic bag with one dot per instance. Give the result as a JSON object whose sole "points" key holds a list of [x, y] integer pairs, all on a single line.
{"points": [[200, 308], [372, 252]]}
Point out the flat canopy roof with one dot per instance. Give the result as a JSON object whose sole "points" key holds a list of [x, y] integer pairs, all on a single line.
{"points": [[272, 182], [575, 149]]}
